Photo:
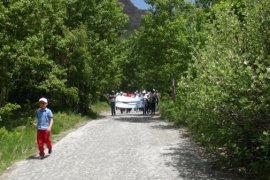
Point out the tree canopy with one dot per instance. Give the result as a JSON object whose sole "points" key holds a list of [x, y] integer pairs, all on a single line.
{"points": [[64, 50]]}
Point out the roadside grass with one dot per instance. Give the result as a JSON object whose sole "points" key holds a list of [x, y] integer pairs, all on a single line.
{"points": [[20, 143], [100, 107], [65, 121], [15, 145]]}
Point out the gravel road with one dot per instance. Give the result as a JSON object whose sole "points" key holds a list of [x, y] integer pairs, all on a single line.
{"points": [[123, 147]]}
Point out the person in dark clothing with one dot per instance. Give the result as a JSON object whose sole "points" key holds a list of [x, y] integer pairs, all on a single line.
{"points": [[153, 100], [112, 102], [145, 104]]}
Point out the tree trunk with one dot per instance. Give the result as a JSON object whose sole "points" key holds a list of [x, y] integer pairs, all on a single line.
{"points": [[3, 95], [173, 89]]}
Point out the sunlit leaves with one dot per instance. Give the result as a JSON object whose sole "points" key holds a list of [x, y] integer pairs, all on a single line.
{"points": [[225, 96], [161, 48], [64, 50]]}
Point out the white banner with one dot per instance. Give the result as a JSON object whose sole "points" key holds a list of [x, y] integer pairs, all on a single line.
{"points": [[129, 102]]}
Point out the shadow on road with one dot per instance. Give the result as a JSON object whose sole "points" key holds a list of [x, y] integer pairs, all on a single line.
{"points": [[185, 157], [165, 127], [136, 118]]}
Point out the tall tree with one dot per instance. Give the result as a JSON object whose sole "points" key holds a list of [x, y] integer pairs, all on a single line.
{"points": [[161, 48], [65, 50], [103, 24]]}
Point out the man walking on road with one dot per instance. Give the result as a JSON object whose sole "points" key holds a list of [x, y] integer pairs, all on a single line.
{"points": [[153, 100], [112, 98]]}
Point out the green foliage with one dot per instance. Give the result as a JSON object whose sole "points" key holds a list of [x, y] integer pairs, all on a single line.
{"points": [[66, 51], [224, 96], [207, 3], [100, 107], [159, 52], [64, 121], [168, 110], [6, 113], [8, 108], [16, 145]]}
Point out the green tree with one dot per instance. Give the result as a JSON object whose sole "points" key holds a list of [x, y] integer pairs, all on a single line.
{"points": [[225, 97], [23, 50], [64, 50], [161, 49], [96, 58]]}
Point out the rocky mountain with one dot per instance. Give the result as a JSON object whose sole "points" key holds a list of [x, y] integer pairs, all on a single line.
{"points": [[133, 13]]}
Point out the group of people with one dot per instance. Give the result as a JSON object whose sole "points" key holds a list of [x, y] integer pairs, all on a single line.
{"points": [[149, 101]]}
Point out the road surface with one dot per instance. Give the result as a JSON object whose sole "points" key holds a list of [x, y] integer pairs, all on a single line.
{"points": [[123, 147]]}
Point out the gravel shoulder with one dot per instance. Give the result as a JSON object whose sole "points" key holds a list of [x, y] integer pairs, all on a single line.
{"points": [[123, 147]]}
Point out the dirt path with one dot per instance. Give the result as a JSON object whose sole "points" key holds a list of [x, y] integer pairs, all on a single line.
{"points": [[124, 147]]}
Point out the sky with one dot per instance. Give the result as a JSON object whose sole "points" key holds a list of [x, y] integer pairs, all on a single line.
{"points": [[142, 5]]}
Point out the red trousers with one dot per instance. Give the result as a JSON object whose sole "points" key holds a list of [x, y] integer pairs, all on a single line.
{"points": [[43, 137]]}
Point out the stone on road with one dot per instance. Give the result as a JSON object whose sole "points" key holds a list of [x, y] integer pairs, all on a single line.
{"points": [[123, 147]]}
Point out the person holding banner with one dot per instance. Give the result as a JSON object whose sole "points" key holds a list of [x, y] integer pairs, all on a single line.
{"points": [[145, 102], [112, 98]]}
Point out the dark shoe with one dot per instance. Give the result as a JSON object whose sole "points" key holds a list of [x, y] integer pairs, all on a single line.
{"points": [[50, 151], [41, 157]]}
